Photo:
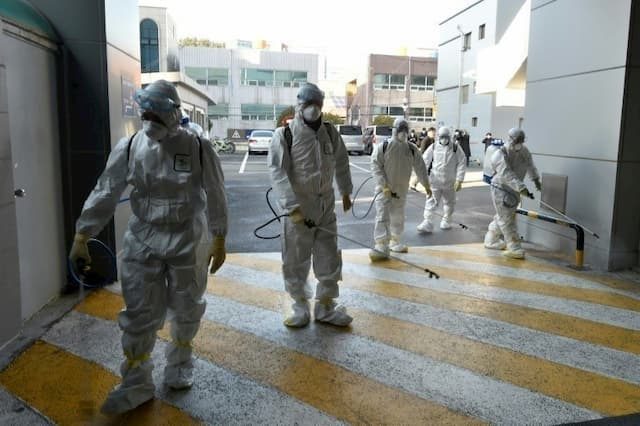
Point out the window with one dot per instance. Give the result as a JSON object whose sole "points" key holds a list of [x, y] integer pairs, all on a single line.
{"points": [[422, 82], [149, 56], [389, 81], [218, 112], [467, 42], [350, 130], [420, 114], [475, 85], [474, 121], [245, 44], [465, 94], [279, 78], [388, 110], [208, 76], [481, 31], [261, 112]]}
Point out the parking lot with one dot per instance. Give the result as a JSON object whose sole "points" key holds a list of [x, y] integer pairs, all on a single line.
{"points": [[247, 180]]}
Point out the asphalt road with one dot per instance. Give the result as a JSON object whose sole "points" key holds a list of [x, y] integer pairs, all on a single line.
{"points": [[247, 180]]}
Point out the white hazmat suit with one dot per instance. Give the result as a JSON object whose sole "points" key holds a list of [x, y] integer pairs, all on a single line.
{"points": [[448, 166], [510, 165], [391, 164], [178, 204], [302, 175], [487, 167]]}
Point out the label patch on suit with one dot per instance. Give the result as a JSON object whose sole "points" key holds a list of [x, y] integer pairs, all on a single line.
{"points": [[182, 163]]}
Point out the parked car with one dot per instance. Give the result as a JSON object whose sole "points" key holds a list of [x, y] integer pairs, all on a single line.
{"points": [[374, 135], [259, 141], [352, 137]]}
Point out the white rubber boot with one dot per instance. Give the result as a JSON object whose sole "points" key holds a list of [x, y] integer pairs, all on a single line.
{"points": [[301, 314], [425, 226], [330, 312], [380, 252]]}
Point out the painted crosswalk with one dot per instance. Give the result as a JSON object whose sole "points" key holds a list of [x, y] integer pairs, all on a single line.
{"points": [[493, 341]]}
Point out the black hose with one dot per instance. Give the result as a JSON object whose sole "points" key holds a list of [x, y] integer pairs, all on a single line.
{"points": [[276, 217], [88, 279], [355, 196]]}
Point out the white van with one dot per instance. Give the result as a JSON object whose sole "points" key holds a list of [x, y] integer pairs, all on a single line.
{"points": [[352, 137]]}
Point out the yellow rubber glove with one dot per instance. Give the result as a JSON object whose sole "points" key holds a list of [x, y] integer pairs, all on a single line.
{"points": [[457, 186], [79, 249], [427, 189], [538, 184], [217, 254], [346, 202], [296, 216], [386, 192], [525, 193]]}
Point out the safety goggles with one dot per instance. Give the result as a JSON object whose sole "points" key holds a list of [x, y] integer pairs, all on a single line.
{"points": [[154, 102]]}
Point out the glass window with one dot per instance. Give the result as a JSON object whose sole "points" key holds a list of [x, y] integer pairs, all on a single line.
{"points": [[218, 112], [208, 76], [257, 112], [383, 130], [467, 41], [397, 79], [431, 80], [474, 121], [350, 130], [396, 111], [418, 80], [149, 56], [465, 94], [481, 31], [380, 110], [257, 77], [380, 78]]}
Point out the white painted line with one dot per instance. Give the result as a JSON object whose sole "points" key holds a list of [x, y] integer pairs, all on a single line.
{"points": [[359, 168], [244, 163]]}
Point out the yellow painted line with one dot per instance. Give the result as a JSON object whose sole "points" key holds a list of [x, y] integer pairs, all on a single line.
{"points": [[98, 304], [532, 264], [536, 319], [513, 283], [70, 390], [332, 389], [605, 395]]}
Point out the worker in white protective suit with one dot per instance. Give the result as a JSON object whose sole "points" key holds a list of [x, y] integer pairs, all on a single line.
{"points": [[487, 167], [178, 227], [446, 162], [510, 165], [303, 159], [391, 164], [190, 126]]}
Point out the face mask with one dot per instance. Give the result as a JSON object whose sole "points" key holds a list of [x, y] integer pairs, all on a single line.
{"points": [[153, 130], [402, 136], [517, 146], [444, 141], [311, 113]]}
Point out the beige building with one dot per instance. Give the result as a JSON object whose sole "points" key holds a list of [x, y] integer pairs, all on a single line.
{"points": [[397, 86]]}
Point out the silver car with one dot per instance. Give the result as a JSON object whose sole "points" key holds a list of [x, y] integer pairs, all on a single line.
{"points": [[259, 141], [352, 137]]}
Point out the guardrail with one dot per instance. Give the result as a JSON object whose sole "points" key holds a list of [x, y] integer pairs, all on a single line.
{"points": [[579, 232]]}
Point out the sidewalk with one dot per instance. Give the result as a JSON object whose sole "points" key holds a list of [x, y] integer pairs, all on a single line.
{"points": [[493, 340]]}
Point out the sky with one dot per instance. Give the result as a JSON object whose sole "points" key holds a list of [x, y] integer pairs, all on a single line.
{"points": [[345, 31]]}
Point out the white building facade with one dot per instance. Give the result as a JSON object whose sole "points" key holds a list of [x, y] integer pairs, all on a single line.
{"points": [[251, 87], [484, 41], [582, 124]]}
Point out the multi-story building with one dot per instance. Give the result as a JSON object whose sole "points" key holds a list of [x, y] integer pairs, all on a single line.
{"points": [[251, 86], [159, 60], [482, 69], [397, 86]]}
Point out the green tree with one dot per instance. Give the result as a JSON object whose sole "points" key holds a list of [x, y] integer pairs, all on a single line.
{"points": [[289, 112], [383, 120], [199, 42], [332, 118]]}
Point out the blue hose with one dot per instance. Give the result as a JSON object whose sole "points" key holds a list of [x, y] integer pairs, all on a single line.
{"points": [[79, 279]]}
